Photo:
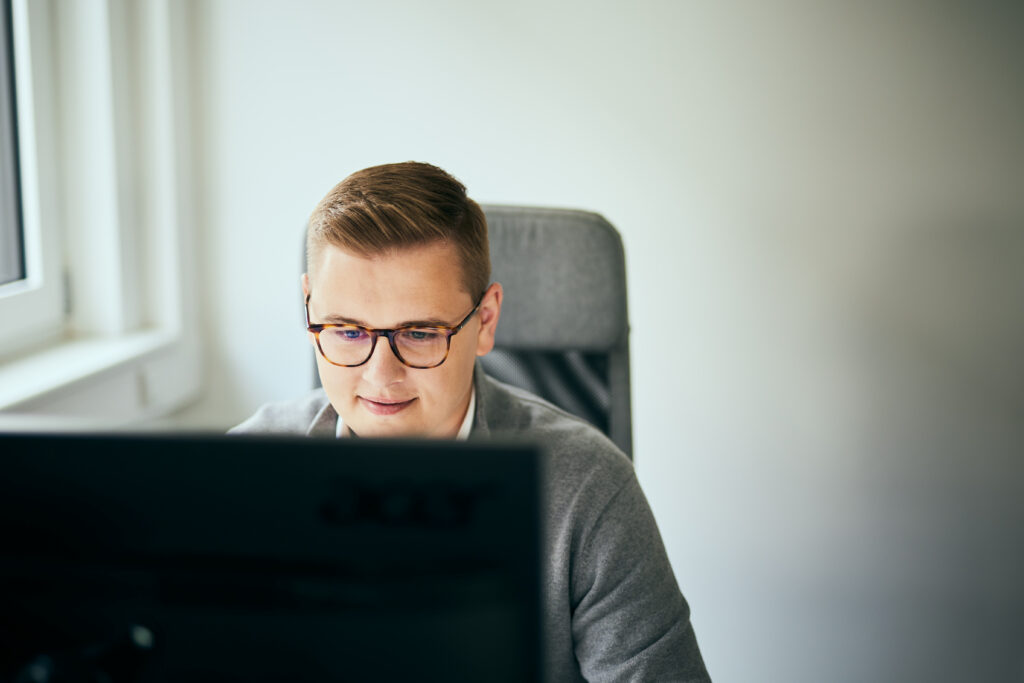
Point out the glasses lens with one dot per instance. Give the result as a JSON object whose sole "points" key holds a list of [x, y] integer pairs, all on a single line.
{"points": [[422, 346], [346, 345]]}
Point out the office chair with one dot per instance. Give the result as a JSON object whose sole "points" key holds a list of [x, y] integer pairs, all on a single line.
{"points": [[564, 330]]}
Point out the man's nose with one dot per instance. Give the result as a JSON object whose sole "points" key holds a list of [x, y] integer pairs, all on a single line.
{"points": [[383, 368]]}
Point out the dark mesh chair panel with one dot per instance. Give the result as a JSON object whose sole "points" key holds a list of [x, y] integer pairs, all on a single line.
{"points": [[575, 381]]}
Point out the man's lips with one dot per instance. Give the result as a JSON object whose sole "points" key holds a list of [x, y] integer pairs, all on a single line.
{"points": [[384, 406]]}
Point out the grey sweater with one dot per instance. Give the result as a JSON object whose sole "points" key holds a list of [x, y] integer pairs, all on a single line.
{"points": [[612, 608]]}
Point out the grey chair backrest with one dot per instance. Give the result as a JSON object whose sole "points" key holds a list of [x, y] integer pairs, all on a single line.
{"points": [[564, 329]]}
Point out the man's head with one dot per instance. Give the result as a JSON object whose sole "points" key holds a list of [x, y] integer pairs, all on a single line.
{"points": [[390, 247], [385, 208]]}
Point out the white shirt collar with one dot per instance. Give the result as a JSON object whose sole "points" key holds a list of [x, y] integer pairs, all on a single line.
{"points": [[340, 431], [467, 421]]}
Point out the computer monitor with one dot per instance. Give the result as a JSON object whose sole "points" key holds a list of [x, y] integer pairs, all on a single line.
{"points": [[216, 558]]}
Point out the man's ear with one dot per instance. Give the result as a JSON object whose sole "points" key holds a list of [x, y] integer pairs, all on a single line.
{"points": [[489, 312], [305, 293]]}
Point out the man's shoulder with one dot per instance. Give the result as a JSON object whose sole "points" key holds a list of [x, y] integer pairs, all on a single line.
{"points": [[576, 449], [286, 417]]}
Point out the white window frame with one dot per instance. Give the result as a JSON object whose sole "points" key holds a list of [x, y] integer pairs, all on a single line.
{"points": [[31, 308], [104, 326]]}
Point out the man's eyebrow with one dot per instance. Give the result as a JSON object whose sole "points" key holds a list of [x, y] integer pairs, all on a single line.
{"points": [[342, 320], [335, 319]]}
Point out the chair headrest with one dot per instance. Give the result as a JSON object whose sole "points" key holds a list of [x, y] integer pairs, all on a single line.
{"points": [[564, 277]]}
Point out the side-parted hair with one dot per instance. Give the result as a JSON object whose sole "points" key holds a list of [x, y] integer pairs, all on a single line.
{"points": [[386, 208]]}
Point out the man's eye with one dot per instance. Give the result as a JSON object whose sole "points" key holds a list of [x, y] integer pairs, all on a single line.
{"points": [[349, 334], [421, 336]]}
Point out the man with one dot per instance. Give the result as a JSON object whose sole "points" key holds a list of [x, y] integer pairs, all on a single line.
{"points": [[399, 305]]}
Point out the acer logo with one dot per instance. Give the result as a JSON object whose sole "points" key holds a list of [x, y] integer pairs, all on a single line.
{"points": [[397, 504]]}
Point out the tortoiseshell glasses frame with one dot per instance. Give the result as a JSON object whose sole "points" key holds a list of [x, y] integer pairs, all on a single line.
{"points": [[447, 331]]}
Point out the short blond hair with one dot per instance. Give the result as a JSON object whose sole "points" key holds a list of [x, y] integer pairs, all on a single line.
{"points": [[386, 208]]}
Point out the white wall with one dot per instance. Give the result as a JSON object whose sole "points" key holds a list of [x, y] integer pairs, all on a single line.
{"points": [[821, 213]]}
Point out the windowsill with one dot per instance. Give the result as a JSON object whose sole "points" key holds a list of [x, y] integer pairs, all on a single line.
{"points": [[102, 381]]}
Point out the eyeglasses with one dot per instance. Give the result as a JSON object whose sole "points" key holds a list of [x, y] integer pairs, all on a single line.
{"points": [[416, 346]]}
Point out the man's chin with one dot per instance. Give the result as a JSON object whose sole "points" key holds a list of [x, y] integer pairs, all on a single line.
{"points": [[375, 426], [378, 433]]}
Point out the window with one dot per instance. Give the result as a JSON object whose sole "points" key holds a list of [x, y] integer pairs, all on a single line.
{"points": [[97, 318], [31, 305], [12, 255]]}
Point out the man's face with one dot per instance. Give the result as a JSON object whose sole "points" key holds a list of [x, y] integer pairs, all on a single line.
{"points": [[383, 397]]}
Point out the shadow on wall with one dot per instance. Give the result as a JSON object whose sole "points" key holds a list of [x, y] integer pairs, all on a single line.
{"points": [[944, 468]]}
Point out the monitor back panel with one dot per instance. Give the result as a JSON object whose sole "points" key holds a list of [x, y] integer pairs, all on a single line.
{"points": [[235, 558]]}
